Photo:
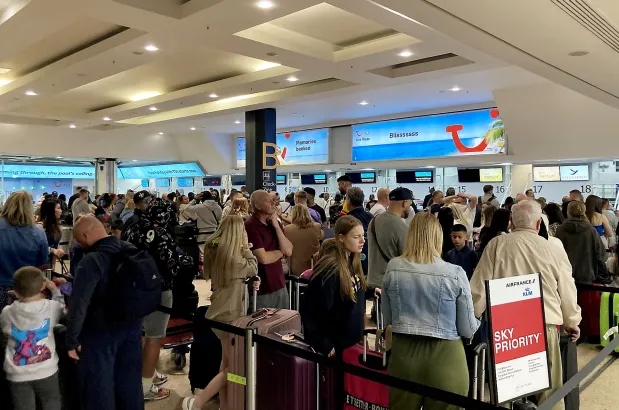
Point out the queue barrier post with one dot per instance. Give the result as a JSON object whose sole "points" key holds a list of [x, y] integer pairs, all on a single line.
{"points": [[250, 369]]}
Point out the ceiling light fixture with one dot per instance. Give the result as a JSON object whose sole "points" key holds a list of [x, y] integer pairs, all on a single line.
{"points": [[237, 122], [455, 89], [59, 157], [145, 95], [72, 126], [213, 95], [4, 82], [237, 98], [578, 53], [292, 79], [5, 70], [107, 119], [151, 47], [30, 92], [406, 53], [363, 103], [430, 166], [134, 160], [161, 133], [193, 128], [265, 4], [153, 108]]}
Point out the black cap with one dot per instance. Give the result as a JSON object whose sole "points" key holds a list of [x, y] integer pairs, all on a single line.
{"points": [[140, 196], [401, 194], [310, 191]]}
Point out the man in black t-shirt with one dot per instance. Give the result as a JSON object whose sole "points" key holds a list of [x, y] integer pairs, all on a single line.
{"points": [[311, 195]]}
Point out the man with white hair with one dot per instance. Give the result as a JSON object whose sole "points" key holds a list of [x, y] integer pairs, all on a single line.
{"points": [[524, 252]]}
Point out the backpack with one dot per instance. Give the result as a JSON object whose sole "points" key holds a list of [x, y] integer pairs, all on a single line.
{"points": [[134, 287]]}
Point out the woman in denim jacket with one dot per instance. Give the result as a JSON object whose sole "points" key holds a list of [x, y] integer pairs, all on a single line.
{"points": [[428, 303]]}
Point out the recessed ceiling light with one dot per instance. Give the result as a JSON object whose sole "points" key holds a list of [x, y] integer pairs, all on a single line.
{"points": [[430, 166], [144, 95], [213, 95], [7, 70], [363, 103], [59, 157], [107, 119], [265, 4], [30, 92], [292, 79], [406, 53], [161, 133], [193, 128], [455, 89], [237, 122], [151, 47], [134, 160], [578, 53], [72, 126], [153, 108]]}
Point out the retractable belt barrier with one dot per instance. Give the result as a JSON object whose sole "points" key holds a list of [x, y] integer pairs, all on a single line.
{"points": [[391, 381]]}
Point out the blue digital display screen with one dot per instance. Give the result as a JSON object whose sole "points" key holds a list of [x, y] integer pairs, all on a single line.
{"points": [[190, 169], [294, 148], [281, 180], [184, 182], [47, 171], [463, 133], [162, 182], [145, 183]]}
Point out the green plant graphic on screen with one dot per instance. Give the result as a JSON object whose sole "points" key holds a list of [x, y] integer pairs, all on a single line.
{"points": [[496, 132]]}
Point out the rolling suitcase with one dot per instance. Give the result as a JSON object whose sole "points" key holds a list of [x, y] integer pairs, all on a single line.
{"points": [[266, 321], [589, 302], [205, 354], [609, 316], [67, 370], [187, 241]]}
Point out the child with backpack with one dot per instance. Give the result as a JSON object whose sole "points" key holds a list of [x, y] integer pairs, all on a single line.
{"points": [[31, 362]]}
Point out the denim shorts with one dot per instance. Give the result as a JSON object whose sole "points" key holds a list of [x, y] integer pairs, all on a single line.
{"points": [[156, 323]]}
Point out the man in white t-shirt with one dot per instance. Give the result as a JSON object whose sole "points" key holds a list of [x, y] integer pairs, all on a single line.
{"points": [[383, 202]]}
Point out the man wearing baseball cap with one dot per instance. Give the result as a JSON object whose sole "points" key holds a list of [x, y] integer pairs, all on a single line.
{"points": [[387, 234], [142, 200]]}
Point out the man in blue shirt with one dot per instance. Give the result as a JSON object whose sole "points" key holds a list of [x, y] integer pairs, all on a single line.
{"points": [[462, 255]]}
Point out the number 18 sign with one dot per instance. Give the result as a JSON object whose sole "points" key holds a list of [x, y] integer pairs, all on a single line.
{"points": [[518, 337]]}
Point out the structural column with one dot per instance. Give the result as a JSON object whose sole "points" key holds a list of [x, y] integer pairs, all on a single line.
{"points": [[105, 175], [261, 150]]}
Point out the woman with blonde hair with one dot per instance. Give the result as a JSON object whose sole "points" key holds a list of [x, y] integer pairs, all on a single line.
{"points": [[128, 211], [22, 243], [240, 207], [305, 236], [228, 260], [429, 305]]}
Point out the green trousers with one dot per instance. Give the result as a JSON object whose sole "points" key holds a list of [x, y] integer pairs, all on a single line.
{"points": [[433, 362]]}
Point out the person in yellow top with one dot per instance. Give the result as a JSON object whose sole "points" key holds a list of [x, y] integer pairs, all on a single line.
{"points": [[523, 252], [343, 183]]}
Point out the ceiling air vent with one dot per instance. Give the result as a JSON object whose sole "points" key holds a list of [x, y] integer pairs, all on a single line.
{"points": [[422, 65], [590, 19]]}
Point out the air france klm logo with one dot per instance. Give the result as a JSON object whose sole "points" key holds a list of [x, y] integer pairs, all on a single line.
{"points": [[520, 283], [527, 292]]}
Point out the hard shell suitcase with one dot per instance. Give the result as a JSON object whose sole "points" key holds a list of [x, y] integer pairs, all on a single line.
{"points": [[285, 381], [589, 302], [609, 316], [205, 354]]}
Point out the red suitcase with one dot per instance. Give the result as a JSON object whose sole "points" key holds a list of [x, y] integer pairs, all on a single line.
{"points": [[267, 321], [360, 392], [589, 302]]}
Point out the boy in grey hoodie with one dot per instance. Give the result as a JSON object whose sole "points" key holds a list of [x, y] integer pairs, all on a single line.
{"points": [[31, 362]]}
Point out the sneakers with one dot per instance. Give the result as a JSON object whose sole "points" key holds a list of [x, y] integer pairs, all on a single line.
{"points": [[160, 378], [156, 393], [188, 403]]}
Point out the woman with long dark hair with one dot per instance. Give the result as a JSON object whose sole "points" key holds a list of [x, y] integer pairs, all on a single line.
{"points": [[498, 226], [555, 217], [51, 211]]}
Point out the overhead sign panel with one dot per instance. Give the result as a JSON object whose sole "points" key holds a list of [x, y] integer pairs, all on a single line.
{"points": [[46, 171], [466, 133], [294, 148], [574, 172], [189, 169], [546, 174]]}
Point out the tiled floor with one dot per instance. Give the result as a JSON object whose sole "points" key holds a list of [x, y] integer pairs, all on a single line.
{"points": [[598, 395]]}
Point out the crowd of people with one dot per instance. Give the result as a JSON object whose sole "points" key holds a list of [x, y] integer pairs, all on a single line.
{"points": [[427, 266]]}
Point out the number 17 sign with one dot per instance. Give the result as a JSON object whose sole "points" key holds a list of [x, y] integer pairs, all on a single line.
{"points": [[518, 337]]}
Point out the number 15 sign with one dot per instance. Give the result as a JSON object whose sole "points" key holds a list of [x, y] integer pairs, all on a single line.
{"points": [[518, 337]]}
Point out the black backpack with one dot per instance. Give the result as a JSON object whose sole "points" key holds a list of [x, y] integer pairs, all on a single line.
{"points": [[134, 287]]}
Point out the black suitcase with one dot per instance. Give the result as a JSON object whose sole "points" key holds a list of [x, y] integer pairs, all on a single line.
{"points": [[67, 370], [187, 241], [569, 359], [205, 355]]}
